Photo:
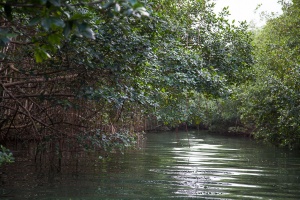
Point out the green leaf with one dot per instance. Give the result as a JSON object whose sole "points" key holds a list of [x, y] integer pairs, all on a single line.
{"points": [[68, 28], [46, 23], [143, 11], [86, 31], [56, 3], [40, 55], [5, 37], [129, 11], [77, 16], [43, 2], [108, 4], [2, 55], [11, 35], [54, 39], [67, 14], [137, 5], [4, 41], [57, 22], [133, 2], [34, 21]]}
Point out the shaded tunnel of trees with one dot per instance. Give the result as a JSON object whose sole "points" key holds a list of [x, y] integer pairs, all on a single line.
{"points": [[95, 69]]}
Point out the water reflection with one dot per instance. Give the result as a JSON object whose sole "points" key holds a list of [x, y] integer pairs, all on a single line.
{"points": [[220, 171], [194, 165]]}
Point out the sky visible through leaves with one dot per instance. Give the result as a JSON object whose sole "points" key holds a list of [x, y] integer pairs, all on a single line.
{"points": [[247, 9]]}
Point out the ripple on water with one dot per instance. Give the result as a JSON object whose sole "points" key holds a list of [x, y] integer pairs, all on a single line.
{"points": [[169, 166], [218, 171]]}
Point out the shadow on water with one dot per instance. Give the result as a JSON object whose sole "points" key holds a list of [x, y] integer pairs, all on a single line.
{"points": [[169, 165]]}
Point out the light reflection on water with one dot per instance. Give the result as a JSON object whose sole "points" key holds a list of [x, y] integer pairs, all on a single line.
{"points": [[169, 166], [220, 171]]}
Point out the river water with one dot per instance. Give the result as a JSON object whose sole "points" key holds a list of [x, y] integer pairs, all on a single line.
{"points": [[167, 166]]}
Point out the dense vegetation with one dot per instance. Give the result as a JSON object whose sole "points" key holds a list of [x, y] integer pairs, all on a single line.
{"points": [[267, 105], [98, 72], [271, 101]]}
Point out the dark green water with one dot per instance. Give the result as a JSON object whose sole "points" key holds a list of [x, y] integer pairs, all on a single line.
{"points": [[169, 165]]}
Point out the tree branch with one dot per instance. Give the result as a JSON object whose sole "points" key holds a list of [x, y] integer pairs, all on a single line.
{"points": [[14, 4], [39, 80], [20, 104], [38, 95]]}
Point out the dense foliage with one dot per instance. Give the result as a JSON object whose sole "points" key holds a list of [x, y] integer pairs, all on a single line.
{"points": [[271, 103], [267, 104], [198, 53], [68, 66], [78, 65], [93, 70]]}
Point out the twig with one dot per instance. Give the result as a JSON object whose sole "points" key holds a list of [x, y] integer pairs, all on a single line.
{"points": [[20, 104], [26, 114]]}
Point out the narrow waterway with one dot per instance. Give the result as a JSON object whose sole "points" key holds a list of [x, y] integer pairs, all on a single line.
{"points": [[168, 165]]}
